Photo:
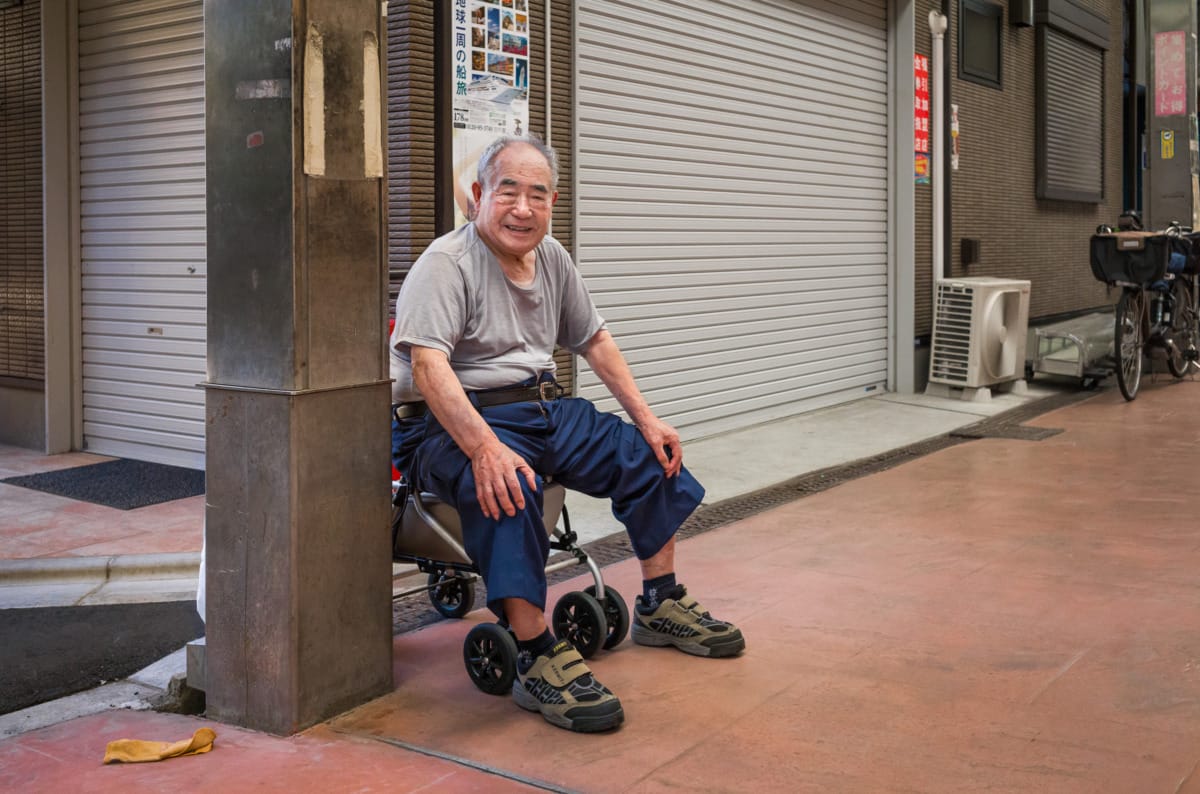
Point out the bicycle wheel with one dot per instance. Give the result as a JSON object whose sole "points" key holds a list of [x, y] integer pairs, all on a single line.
{"points": [[1185, 330], [1128, 339]]}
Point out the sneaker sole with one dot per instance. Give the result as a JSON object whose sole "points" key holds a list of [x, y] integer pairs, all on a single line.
{"points": [[719, 646], [587, 719]]}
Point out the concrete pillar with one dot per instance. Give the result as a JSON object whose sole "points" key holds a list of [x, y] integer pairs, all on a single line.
{"points": [[1173, 189], [299, 564]]}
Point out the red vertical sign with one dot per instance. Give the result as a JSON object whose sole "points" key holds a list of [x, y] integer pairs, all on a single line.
{"points": [[921, 103], [1170, 73]]}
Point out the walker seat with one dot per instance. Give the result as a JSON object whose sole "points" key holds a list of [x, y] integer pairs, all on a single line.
{"points": [[427, 532]]}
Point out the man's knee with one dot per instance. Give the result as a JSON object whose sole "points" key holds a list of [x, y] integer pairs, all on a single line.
{"points": [[467, 496]]}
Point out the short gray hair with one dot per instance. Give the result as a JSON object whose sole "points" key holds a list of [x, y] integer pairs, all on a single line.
{"points": [[487, 159]]}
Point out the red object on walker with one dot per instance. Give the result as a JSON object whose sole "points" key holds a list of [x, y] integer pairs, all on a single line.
{"points": [[391, 325]]}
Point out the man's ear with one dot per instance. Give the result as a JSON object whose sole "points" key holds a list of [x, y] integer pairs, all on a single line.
{"points": [[476, 191], [554, 198]]}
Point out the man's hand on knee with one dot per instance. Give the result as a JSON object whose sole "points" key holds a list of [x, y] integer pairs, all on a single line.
{"points": [[497, 470], [664, 440]]}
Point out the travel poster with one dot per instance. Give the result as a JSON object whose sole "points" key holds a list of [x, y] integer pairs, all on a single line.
{"points": [[490, 84]]}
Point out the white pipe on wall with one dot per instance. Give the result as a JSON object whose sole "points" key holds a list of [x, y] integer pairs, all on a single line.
{"points": [[548, 22], [937, 26], [549, 105]]}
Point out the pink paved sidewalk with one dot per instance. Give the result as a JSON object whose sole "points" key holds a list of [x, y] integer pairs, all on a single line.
{"points": [[35, 524], [68, 757], [1000, 615]]}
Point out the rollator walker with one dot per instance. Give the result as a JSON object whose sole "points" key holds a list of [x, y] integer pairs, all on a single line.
{"points": [[427, 533]]}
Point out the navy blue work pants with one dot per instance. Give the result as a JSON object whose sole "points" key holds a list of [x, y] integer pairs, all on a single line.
{"points": [[579, 447]]}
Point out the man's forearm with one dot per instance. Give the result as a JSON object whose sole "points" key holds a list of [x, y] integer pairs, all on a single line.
{"points": [[610, 366], [497, 469], [444, 395], [606, 360]]}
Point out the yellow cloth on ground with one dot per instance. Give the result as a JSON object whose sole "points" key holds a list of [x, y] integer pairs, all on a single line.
{"points": [[133, 751]]}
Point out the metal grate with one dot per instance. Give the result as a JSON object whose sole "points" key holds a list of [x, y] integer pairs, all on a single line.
{"points": [[22, 312], [951, 355]]}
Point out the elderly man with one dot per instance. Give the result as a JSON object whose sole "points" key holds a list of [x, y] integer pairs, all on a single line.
{"points": [[479, 421]]}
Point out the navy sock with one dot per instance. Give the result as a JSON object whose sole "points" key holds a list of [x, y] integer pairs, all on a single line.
{"points": [[656, 589], [528, 650]]}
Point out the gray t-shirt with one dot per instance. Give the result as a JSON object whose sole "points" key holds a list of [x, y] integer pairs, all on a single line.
{"points": [[457, 299]]}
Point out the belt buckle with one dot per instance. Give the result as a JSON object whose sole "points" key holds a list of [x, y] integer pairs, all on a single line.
{"points": [[549, 390]]}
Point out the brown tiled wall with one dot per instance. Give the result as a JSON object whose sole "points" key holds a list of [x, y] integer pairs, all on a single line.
{"points": [[923, 211], [22, 317], [993, 191], [411, 132], [561, 101], [411, 122], [410, 93], [561, 111]]}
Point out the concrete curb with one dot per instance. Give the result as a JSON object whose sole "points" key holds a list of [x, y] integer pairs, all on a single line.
{"points": [[153, 687], [40, 570]]}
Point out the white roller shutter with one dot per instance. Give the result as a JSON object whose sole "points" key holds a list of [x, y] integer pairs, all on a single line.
{"points": [[142, 228], [732, 195]]}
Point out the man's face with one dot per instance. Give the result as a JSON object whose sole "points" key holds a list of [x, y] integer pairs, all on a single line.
{"points": [[514, 211]]}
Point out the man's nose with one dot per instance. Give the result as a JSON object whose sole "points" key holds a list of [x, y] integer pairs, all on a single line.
{"points": [[522, 204]]}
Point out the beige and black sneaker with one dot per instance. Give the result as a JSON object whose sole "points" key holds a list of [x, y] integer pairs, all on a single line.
{"points": [[563, 689], [682, 622]]}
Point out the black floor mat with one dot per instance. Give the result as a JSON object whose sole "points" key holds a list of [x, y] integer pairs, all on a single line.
{"points": [[123, 484]]}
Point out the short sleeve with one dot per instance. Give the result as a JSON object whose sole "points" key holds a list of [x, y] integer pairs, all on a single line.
{"points": [[431, 309], [579, 320]]}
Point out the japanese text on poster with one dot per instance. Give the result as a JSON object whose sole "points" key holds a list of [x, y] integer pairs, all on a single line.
{"points": [[921, 119], [1170, 73], [490, 84], [921, 103]]}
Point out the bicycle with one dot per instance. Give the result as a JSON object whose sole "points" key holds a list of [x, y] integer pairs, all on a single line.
{"points": [[1157, 311]]}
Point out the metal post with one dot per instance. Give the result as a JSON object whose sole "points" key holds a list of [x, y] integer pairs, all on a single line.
{"points": [[937, 26], [298, 564], [1173, 187]]}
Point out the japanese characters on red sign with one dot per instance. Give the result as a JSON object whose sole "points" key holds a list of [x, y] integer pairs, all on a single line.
{"points": [[921, 103], [1170, 73]]}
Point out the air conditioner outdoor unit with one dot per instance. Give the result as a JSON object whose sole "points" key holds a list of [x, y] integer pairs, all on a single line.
{"points": [[979, 330]]}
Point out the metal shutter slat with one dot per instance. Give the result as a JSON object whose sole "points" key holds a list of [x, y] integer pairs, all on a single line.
{"points": [[733, 225], [1074, 125], [142, 228]]}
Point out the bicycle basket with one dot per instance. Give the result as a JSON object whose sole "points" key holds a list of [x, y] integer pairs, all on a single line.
{"points": [[1135, 257]]}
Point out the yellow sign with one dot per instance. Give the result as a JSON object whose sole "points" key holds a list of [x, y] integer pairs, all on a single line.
{"points": [[1168, 144]]}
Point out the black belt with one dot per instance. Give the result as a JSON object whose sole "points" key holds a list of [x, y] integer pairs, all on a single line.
{"points": [[546, 390]]}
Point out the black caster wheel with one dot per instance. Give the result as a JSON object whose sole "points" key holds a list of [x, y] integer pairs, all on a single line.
{"points": [[452, 594], [490, 654], [579, 618], [616, 615]]}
